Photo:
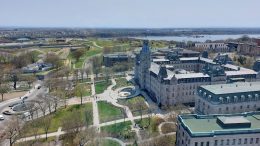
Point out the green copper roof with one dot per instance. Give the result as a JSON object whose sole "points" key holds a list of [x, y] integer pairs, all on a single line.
{"points": [[234, 87], [208, 125]]}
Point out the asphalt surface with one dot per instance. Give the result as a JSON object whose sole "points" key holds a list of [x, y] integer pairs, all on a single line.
{"points": [[32, 95]]}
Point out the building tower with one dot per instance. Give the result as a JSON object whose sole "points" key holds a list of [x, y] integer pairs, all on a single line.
{"points": [[145, 63]]}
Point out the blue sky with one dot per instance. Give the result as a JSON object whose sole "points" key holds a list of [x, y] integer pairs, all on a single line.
{"points": [[130, 13]]}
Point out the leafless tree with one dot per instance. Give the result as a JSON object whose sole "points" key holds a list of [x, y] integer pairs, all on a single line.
{"points": [[13, 130], [46, 121], [79, 91], [3, 90]]}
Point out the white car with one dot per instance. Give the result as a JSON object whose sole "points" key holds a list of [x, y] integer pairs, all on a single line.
{"points": [[2, 117]]}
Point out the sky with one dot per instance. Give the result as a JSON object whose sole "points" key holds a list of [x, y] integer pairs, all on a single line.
{"points": [[130, 13]]}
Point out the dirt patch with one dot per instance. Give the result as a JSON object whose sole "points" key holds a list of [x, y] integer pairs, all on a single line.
{"points": [[13, 95]]}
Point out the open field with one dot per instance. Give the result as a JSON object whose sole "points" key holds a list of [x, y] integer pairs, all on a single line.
{"points": [[120, 130], [136, 105], [56, 119], [108, 112], [121, 82], [102, 86]]}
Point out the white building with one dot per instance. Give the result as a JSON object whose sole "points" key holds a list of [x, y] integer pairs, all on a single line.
{"points": [[218, 47], [173, 79], [228, 98], [218, 130]]}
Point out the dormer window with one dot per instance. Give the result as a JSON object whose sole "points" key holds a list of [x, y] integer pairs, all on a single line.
{"points": [[204, 94], [235, 98], [256, 96], [221, 99], [228, 99], [242, 98]]}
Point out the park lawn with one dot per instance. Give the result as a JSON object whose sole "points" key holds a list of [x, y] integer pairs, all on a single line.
{"points": [[108, 112], [120, 130], [56, 119], [149, 129], [100, 87], [121, 82], [136, 104], [87, 89]]}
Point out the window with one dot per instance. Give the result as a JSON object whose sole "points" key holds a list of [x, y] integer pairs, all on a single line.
{"points": [[201, 143], [251, 141], [207, 143], [196, 143], [234, 142], [216, 143], [248, 106], [239, 141], [245, 141], [222, 142], [227, 141]]}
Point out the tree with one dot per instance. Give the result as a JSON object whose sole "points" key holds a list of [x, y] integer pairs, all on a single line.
{"points": [[29, 79], [13, 130], [3, 90], [46, 121], [96, 65], [86, 136], [78, 53], [82, 74], [72, 122], [79, 91], [14, 77], [87, 71], [54, 60]]}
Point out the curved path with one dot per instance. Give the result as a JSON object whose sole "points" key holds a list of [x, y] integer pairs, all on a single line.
{"points": [[160, 126]]}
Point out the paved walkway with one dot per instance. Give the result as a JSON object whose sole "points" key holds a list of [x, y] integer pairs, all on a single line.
{"points": [[94, 103]]}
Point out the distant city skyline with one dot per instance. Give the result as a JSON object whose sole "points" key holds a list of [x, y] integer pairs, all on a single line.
{"points": [[130, 13]]}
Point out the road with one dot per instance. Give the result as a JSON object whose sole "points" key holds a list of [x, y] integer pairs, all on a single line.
{"points": [[32, 95]]}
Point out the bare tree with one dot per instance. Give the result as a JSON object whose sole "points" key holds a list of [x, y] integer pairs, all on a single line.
{"points": [[79, 91], [46, 121], [3, 90], [88, 71], [82, 74], [13, 130], [86, 136]]}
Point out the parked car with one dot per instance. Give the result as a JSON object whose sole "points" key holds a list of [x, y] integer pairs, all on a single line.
{"points": [[38, 86], [7, 113], [2, 117], [24, 97], [14, 104]]}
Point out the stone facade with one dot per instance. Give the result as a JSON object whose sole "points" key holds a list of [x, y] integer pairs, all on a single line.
{"points": [[174, 79], [228, 98], [216, 47]]}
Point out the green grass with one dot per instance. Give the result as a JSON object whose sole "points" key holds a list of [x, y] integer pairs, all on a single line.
{"points": [[88, 53], [56, 119], [137, 105], [119, 130], [108, 112], [100, 87], [121, 82], [87, 90]]}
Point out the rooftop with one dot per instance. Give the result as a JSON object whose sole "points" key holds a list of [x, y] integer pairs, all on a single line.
{"points": [[209, 125], [233, 88]]}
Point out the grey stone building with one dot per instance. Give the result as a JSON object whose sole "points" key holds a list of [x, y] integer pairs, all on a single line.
{"points": [[173, 79], [228, 98]]}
